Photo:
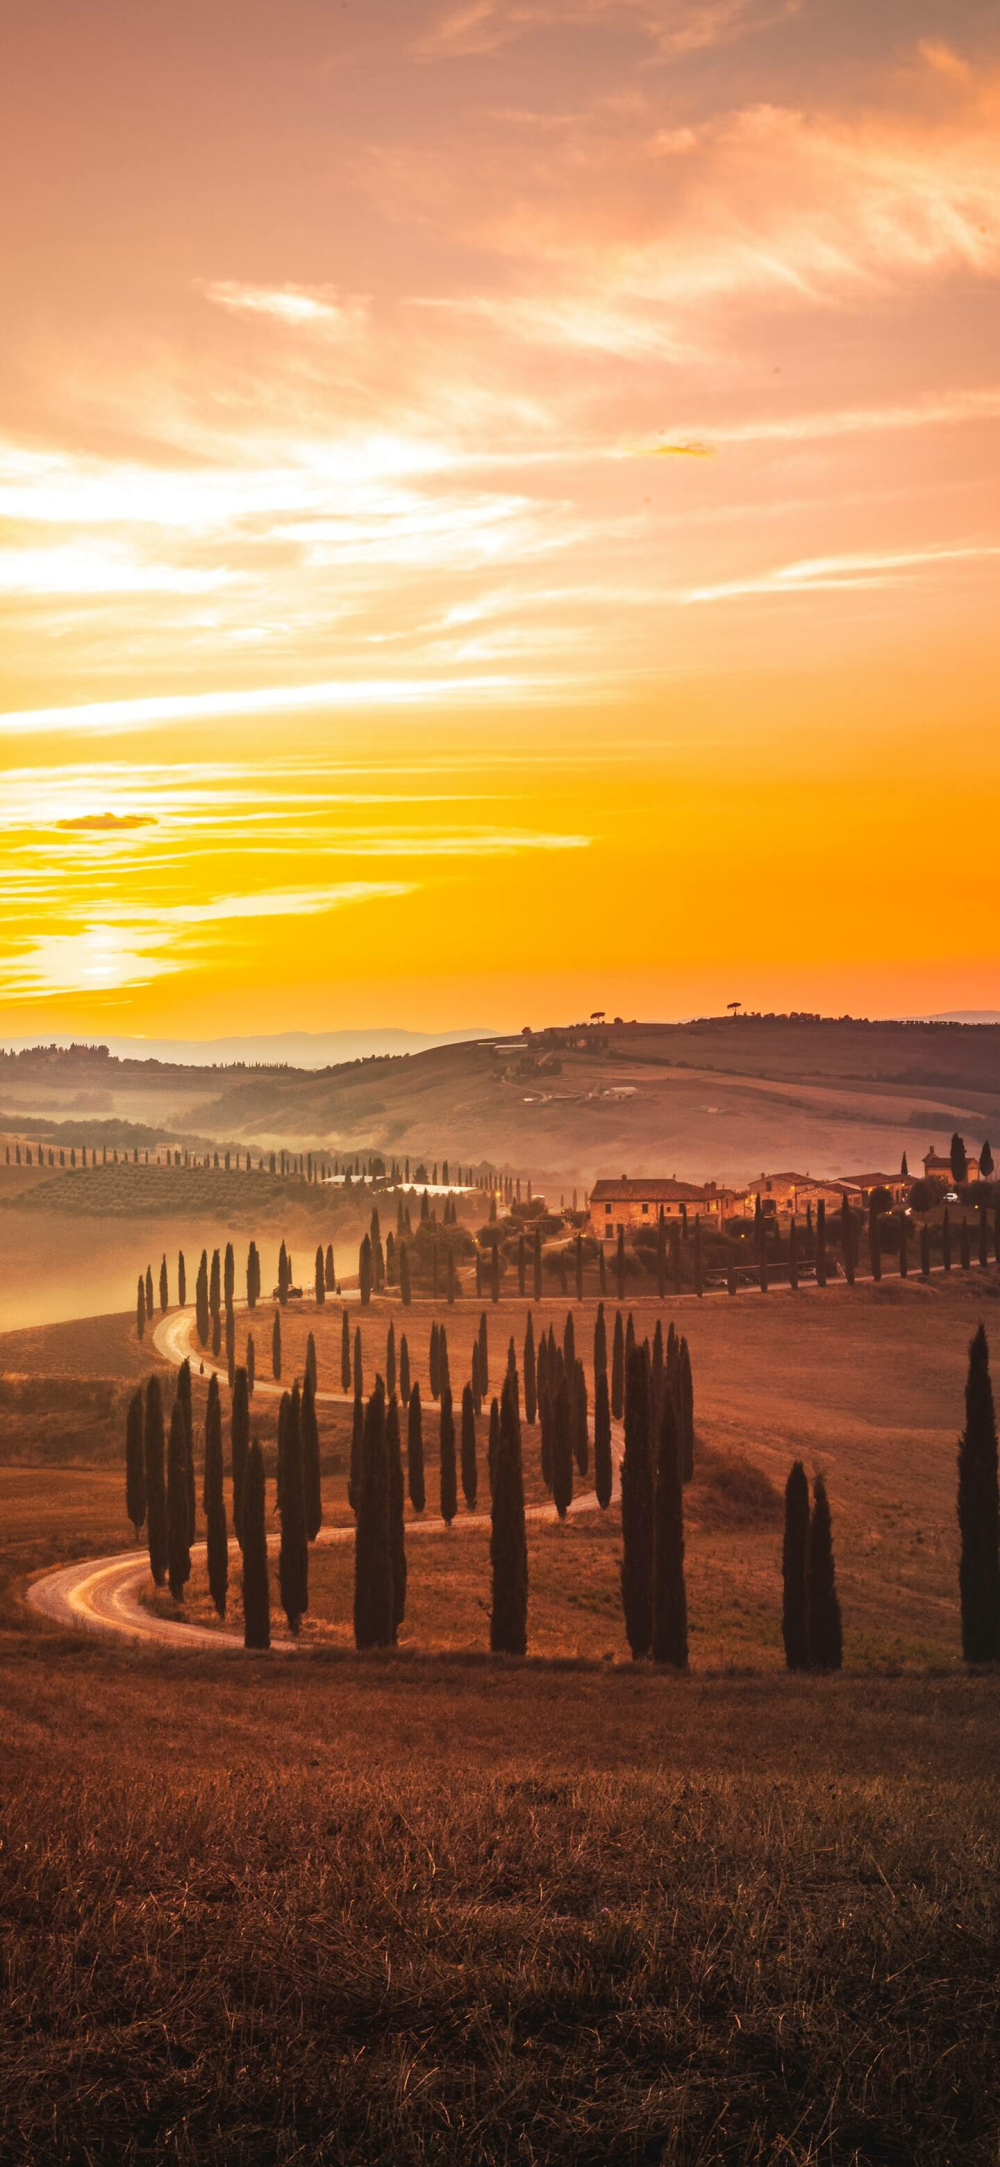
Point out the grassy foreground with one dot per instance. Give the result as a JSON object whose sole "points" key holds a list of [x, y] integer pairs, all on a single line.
{"points": [[428, 1911]]}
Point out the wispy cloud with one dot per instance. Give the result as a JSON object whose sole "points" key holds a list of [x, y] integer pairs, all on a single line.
{"points": [[294, 307], [122, 953], [876, 568], [670, 27]]}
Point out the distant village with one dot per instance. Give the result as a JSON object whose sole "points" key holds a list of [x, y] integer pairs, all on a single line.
{"points": [[620, 1206]]}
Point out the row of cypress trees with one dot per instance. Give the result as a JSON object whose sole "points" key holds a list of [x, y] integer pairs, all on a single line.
{"points": [[810, 1614]]}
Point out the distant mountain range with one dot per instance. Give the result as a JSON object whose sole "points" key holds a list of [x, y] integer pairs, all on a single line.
{"points": [[299, 1049], [967, 1015]]}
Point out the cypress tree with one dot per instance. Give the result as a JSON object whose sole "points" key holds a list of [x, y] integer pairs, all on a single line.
{"points": [[320, 1276], [404, 1371], [215, 1286], [448, 1472], [215, 1520], [149, 1291], [494, 1441], [140, 1308], [795, 1570], [444, 1373], [825, 1638], [537, 1262], [374, 1590], [904, 1261], [178, 1545], [685, 1392], [603, 1479], [135, 1470], [201, 1310], [229, 1277], [620, 1264], [310, 1368], [230, 1344], [637, 1503], [357, 1450], [239, 1446], [276, 1347], [181, 1280], [359, 1379], [629, 1338], [312, 1486], [365, 1271], [964, 1254], [530, 1384], [470, 1471], [569, 1345], [562, 1448], [618, 1369], [986, 1161], [978, 1512], [847, 1240], [256, 1592], [821, 1242], [345, 1353], [397, 1515], [390, 1360], [946, 1240], [251, 1364], [874, 1244], [156, 1490], [164, 1288], [579, 1417], [415, 1452], [925, 1251], [293, 1558], [405, 1293], [670, 1634], [217, 1333], [959, 1160], [600, 1344], [508, 1544], [435, 1365], [329, 1273]]}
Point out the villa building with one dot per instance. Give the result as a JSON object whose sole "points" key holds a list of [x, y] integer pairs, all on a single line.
{"points": [[937, 1168], [619, 1207]]}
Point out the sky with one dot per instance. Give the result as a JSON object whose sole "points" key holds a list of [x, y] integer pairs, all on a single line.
{"points": [[499, 511]]}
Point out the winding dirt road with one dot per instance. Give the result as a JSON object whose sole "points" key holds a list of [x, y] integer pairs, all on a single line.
{"points": [[104, 1595]]}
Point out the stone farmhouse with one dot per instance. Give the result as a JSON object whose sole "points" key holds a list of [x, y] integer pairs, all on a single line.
{"points": [[618, 1207]]}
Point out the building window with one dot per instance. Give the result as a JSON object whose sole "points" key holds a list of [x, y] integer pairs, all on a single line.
{"points": [[645, 1207]]}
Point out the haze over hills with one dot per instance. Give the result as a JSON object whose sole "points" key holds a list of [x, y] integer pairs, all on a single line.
{"points": [[718, 1099], [295, 1049]]}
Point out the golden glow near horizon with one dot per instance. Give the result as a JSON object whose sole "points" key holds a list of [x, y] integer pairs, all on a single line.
{"points": [[498, 511]]}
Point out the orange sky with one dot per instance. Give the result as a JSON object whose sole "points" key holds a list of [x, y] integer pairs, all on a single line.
{"points": [[498, 510]]}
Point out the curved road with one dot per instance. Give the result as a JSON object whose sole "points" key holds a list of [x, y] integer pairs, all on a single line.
{"points": [[104, 1595]]}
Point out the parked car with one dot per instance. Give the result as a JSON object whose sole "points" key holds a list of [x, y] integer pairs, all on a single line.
{"points": [[293, 1294]]}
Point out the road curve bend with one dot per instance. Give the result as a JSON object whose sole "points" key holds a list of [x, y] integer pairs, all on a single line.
{"points": [[103, 1596]]}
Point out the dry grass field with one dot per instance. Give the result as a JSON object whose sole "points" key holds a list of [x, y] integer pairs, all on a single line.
{"points": [[432, 1907], [425, 1913]]}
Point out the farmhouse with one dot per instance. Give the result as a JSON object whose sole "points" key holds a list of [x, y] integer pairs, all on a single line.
{"points": [[897, 1185], [783, 1196], [937, 1168], [618, 1207]]}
